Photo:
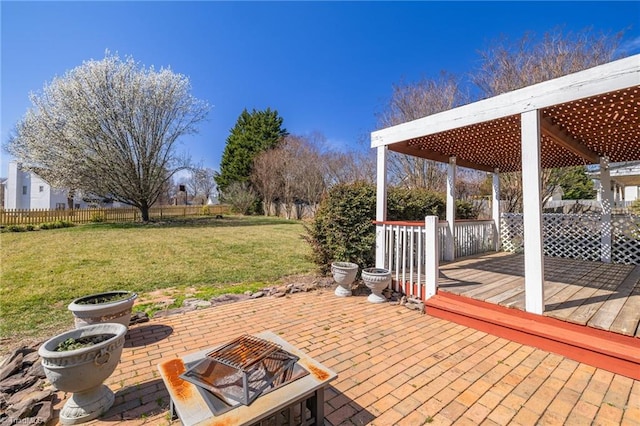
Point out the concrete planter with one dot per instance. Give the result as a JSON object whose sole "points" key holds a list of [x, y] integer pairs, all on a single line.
{"points": [[344, 273], [82, 371], [376, 279], [89, 310]]}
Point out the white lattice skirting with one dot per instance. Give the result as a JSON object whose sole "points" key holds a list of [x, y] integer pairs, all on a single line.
{"points": [[577, 236]]}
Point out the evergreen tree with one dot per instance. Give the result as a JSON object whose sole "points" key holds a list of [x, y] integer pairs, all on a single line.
{"points": [[576, 184], [254, 133]]}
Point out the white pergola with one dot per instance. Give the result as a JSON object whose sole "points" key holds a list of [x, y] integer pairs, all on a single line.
{"points": [[589, 117]]}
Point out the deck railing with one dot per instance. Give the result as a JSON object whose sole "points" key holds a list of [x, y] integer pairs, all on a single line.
{"points": [[122, 214], [404, 251]]}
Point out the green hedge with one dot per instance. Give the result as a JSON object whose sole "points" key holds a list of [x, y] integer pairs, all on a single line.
{"points": [[342, 229]]}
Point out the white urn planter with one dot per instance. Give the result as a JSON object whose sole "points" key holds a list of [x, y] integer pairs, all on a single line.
{"points": [[376, 279], [344, 273], [108, 307], [82, 371]]}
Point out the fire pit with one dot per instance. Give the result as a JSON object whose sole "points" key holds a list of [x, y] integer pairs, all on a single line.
{"points": [[244, 369], [249, 379]]}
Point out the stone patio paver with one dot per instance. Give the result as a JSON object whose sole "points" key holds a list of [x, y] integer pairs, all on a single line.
{"points": [[394, 366]]}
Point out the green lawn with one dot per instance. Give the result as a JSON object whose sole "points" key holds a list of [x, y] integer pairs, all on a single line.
{"points": [[42, 271]]}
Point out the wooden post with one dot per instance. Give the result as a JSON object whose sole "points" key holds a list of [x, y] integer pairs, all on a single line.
{"points": [[532, 207], [381, 204], [606, 198], [449, 253], [431, 256], [495, 210]]}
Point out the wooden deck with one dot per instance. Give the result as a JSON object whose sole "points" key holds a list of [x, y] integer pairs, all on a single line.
{"points": [[598, 295]]}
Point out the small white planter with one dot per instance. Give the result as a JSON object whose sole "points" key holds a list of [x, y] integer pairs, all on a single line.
{"points": [[86, 311], [344, 273], [376, 279], [82, 371]]}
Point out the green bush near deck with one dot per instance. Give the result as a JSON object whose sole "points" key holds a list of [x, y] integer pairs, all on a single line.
{"points": [[342, 229]]}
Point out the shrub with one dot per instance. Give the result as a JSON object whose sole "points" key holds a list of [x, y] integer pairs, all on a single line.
{"points": [[635, 207], [342, 229], [56, 224], [414, 204], [205, 211], [15, 228], [241, 198], [97, 217], [466, 210], [30, 227]]}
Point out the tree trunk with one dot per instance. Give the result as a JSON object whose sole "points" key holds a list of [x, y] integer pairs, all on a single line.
{"points": [[144, 212]]}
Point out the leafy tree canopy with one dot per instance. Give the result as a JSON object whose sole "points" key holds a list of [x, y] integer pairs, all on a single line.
{"points": [[576, 185], [254, 132], [109, 128]]}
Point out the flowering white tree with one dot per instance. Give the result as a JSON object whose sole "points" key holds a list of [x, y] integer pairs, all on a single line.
{"points": [[109, 128]]}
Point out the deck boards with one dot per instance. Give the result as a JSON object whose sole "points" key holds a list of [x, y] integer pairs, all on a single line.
{"points": [[606, 315], [629, 316], [599, 295]]}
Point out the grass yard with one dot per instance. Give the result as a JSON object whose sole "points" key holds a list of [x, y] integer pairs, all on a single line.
{"points": [[43, 271]]}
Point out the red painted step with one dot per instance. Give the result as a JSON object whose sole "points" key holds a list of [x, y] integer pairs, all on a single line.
{"points": [[603, 349]]}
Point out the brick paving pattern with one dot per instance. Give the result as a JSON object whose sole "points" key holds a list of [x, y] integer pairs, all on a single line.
{"points": [[395, 367]]}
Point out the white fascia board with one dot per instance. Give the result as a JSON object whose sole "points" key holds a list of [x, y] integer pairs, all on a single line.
{"points": [[594, 81]]}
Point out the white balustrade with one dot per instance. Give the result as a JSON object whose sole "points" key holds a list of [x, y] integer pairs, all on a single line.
{"points": [[404, 250]]}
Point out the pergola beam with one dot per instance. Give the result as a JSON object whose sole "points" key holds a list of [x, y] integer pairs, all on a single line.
{"points": [[565, 140], [403, 148]]}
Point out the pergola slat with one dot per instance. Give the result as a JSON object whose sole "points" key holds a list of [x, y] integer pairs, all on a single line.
{"points": [[597, 109]]}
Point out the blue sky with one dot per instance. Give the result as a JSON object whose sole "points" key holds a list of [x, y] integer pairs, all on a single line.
{"points": [[325, 66]]}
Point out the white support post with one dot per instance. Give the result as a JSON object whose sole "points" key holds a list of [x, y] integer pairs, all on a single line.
{"points": [[532, 206], [381, 204], [495, 210], [431, 256], [449, 253], [606, 198]]}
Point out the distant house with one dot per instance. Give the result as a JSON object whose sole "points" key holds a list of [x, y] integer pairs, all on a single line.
{"points": [[625, 180], [3, 182], [27, 191]]}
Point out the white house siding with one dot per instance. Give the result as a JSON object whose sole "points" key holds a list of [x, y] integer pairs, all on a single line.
{"points": [[15, 196], [28, 191]]}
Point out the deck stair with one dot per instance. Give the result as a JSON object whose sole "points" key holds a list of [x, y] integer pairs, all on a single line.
{"points": [[603, 349]]}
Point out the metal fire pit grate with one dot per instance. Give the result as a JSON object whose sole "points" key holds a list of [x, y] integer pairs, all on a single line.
{"points": [[243, 352], [241, 370]]}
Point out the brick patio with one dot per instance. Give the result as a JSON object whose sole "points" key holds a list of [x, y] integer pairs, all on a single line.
{"points": [[394, 366]]}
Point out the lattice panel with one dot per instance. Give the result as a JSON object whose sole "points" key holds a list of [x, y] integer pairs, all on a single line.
{"points": [[512, 232], [626, 240], [576, 236], [572, 236]]}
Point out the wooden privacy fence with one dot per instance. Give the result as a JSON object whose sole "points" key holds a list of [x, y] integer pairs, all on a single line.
{"points": [[122, 214]]}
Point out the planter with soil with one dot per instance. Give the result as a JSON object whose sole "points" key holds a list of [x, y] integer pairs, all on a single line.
{"points": [[108, 307], [79, 361]]}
